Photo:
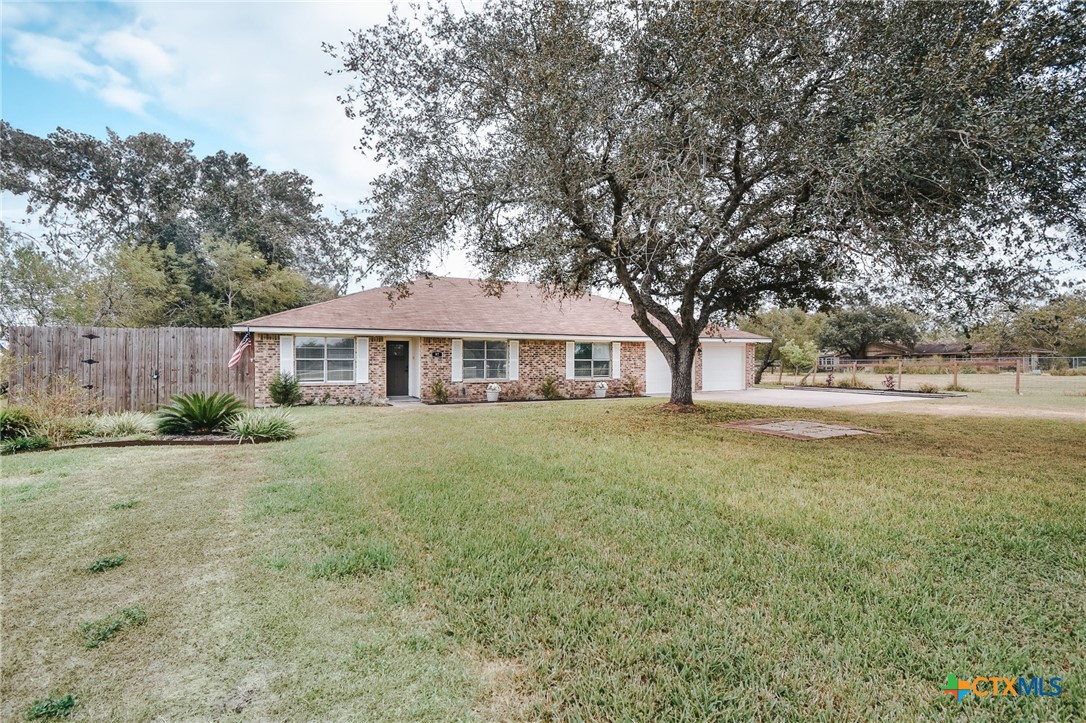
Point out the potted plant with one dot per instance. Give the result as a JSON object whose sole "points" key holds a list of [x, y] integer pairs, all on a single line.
{"points": [[601, 389], [492, 391]]}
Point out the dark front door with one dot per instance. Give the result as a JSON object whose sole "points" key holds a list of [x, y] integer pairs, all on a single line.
{"points": [[397, 354]]}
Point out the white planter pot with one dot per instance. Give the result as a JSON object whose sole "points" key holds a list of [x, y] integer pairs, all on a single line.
{"points": [[492, 396], [600, 393]]}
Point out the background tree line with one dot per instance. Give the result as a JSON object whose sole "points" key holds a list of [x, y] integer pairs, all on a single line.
{"points": [[1057, 325], [139, 231]]}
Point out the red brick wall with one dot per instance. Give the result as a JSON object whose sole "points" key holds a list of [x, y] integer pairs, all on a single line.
{"points": [[750, 365], [266, 366], [538, 359]]}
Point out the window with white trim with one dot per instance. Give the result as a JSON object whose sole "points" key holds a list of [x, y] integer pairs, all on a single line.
{"points": [[591, 360], [486, 360], [324, 358]]}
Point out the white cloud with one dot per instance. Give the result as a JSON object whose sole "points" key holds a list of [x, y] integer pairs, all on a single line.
{"points": [[57, 59], [147, 58]]}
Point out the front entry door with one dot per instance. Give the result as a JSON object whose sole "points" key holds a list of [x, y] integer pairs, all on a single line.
{"points": [[398, 357]]}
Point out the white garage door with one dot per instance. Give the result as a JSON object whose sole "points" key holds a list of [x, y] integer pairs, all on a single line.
{"points": [[722, 367], [657, 372]]}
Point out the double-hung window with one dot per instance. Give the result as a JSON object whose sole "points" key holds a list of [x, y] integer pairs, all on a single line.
{"points": [[486, 360], [591, 360], [324, 358]]}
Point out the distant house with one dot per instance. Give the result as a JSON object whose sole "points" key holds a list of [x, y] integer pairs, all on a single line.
{"points": [[965, 350], [450, 331]]}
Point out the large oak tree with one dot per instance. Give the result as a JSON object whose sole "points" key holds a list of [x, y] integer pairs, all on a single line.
{"points": [[709, 157]]}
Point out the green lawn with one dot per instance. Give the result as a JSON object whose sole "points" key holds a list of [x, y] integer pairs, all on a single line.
{"points": [[577, 560]]}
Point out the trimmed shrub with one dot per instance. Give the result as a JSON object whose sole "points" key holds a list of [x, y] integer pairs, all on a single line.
{"points": [[15, 422], [198, 413], [927, 388], [285, 390], [959, 388], [549, 388], [847, 383], [439, 392], [125, 424], [261, 424]]}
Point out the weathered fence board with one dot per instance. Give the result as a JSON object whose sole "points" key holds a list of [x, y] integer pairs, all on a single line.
{"points": [[136, 369]]}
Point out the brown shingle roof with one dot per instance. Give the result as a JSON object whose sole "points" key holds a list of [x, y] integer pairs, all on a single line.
{"points": [[450, 305]]}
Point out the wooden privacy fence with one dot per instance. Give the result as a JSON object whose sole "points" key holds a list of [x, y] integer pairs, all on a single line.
{"points": [[132, 369]]}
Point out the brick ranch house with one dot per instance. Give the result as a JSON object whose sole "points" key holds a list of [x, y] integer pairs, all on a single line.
{"points": [[367, 345]]}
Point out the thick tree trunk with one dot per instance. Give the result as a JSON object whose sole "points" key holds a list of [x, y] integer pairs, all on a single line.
{"points": [[682, 373]]}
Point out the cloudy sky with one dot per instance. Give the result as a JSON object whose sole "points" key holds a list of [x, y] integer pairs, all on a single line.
{"points": [[233, 76]]}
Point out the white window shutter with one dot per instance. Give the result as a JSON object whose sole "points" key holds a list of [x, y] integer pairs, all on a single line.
{"points": [[616, 359], [362, 359], [569, 359], [458, 360], [514, 361], [286, 355]]}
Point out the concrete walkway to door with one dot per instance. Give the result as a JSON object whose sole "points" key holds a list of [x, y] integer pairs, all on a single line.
{"points": [[798, 398]]}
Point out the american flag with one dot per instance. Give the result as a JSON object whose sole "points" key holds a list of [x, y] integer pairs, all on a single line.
{"points": [[246, 342]]}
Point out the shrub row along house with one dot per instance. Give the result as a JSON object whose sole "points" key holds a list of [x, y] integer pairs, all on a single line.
{"points": [[377, 343]]}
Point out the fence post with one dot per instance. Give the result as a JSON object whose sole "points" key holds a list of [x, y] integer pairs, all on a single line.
{"points": [[1018, 377], [955, 372], [900, 364], [853, 375]]}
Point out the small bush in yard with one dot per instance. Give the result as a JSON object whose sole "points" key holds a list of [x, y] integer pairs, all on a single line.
{"points": [[198, 413], [285, 390], [107, 563], [958, 388], [125, 424], [847, 383], [97, 632], [549, 388], [927, 388], [51, 708], [23, 444], [15, 422], [631, 385], [439, 392], [262, 424]]}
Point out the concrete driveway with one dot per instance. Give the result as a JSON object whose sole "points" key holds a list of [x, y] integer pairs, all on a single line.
{"points": [[799, 398]]}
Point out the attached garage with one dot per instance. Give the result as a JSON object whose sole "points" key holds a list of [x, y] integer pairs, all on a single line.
{"points": [[723, 368]]}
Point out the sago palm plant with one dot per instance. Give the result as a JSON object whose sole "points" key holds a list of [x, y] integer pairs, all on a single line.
{"points": [[198, 413]]}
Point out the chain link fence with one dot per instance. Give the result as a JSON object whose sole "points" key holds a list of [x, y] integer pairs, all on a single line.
{"points": [[1047, 375]]}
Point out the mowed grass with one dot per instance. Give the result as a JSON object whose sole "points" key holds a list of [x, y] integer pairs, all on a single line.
{"points": [[573, 560]]}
